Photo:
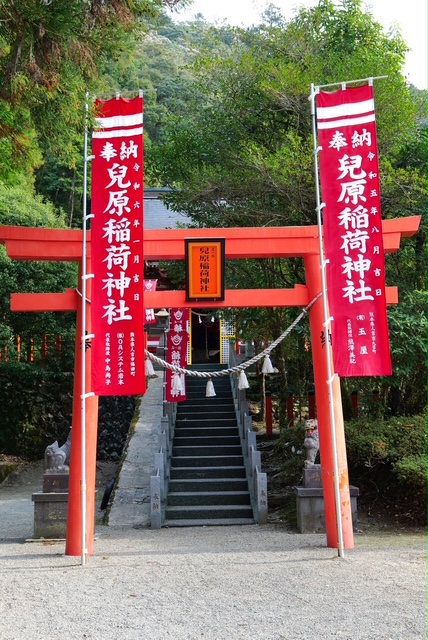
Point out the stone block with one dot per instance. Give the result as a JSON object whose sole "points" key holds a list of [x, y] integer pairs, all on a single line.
{"points": [[312, 478], [55, 482], [50, 515], [311, 509]]}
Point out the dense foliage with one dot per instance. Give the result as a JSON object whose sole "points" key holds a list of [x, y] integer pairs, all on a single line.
{"points": [[386, 459]]}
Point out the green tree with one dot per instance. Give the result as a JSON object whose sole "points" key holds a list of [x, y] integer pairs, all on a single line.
{"points": [[51, 54], [19, 207], [243, 153]]}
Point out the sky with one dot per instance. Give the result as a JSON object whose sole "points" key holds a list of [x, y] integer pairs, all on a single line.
{"points": [[410, 16]]}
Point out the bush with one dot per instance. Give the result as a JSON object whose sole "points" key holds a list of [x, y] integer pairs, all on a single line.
{"points": [[387, 460], [35, 409], [287, 457], [412, 471]]}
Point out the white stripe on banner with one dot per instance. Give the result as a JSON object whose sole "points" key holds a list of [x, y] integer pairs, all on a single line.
{"points": [[120, 121], [347, 109], [118, 133], [346, 122]]}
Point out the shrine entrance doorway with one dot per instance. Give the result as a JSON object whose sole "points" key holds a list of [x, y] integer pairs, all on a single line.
{"points": [[204, 338]]}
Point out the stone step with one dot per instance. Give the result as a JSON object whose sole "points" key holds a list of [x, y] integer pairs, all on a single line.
{"points": [[209, 522], [221, 398], [207, 473], [206, 422], [207, 366], [197, 432], [206, 414], [207, 498], [202, 404], [207, 461], [211, 451], [201, 385], [220, 394], [201, 512], [203, 484], [207, 441]]}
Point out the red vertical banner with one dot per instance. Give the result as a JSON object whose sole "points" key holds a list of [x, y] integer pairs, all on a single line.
{"points": [[149, 314], [178, 344], [118, 361], [352, 222]]}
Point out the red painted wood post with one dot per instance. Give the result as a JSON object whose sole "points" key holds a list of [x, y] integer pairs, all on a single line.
{"points": [[290, 410], [74, 540], [316, 318], [268, 411]]}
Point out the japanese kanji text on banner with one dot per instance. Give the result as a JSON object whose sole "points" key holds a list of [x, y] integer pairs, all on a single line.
{"points": [[118, 362], [352, 222]]}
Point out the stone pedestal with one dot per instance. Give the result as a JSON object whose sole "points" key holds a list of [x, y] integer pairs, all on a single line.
{"points": [[51, 506], [310, 502], [50, 515]]}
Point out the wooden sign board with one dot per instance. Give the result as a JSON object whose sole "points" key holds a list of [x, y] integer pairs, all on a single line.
{"points": [[205, 261]]}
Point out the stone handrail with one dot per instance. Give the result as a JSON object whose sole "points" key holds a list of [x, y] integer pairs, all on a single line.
{"points": [[159, 481]]}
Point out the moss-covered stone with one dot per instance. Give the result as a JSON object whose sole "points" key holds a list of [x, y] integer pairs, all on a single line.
{"points": [[6, 468]]}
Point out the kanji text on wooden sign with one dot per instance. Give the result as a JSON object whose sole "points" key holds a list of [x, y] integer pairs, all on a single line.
{"points": [[205, 269]]}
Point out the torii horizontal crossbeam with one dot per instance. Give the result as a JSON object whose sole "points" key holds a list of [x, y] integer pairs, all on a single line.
{"points": [[168, 244], [234, 299]]}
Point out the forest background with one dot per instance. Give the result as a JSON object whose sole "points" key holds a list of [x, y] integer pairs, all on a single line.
{"points": [[228, 129]]}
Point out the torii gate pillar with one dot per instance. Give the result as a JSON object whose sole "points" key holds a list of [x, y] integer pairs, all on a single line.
{"points": [[320, 366], [75, 545]]}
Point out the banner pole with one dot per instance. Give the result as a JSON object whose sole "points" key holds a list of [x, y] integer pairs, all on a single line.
{"points": [[327, 323], [346, 82], [84, 550]]}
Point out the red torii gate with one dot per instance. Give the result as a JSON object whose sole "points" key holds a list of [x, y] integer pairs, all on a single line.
{"points": [[23, 243]]}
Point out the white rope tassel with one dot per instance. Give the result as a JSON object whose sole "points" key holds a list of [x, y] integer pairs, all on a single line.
{"points": [[242, 380], [150, 372], [267, 365], [177, 385], [210, 393]]}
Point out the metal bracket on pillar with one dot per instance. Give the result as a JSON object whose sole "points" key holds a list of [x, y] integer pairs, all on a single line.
{"points": [[321, 206], [88, 158], [328, 322], [88, 395], [314, 92]]}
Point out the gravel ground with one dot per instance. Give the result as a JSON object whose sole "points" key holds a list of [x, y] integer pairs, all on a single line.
{"points": [[210, 583]]}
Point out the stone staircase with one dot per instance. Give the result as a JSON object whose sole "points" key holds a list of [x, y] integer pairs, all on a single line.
{"points": [[208, 481]]}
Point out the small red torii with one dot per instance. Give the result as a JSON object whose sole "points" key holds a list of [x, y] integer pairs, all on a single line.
{"points": [[24, 243]]}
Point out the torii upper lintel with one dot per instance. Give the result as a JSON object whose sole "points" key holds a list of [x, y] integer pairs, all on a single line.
{"points": [[24, 243]]}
